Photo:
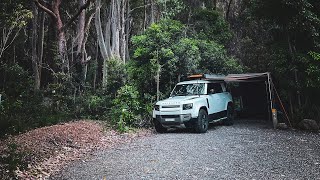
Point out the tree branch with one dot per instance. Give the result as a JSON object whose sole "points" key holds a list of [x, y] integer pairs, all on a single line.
{"points": [[143, 6], [228, 10], [45, 9], [44, 3], [86, 5]]}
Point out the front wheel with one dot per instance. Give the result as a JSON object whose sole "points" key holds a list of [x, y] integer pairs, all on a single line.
{"points": [[159, 128], [230, 116], [202, 122]]}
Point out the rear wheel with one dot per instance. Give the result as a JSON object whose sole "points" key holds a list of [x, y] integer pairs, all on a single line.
{"points": [[202, 123], [159, 128], [230, 116]]}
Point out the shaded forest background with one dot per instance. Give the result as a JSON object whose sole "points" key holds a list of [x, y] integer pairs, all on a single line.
{"points": [[63, 60]]}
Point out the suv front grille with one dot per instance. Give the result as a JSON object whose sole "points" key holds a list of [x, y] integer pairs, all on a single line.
{"points": [[169, 116], [171, 106]]}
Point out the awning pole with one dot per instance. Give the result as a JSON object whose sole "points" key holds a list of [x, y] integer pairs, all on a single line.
{"points": [[267, 93], [270, 92], [285, 112]]}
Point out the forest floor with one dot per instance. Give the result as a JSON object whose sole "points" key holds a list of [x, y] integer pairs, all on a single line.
{"points": [[43, 151]]}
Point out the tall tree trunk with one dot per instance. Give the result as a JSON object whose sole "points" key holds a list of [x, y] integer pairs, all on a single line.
{"points": [[228, 9], [152, 14], [86, 57], [80, 54], [127, 31], [100, 37], [34, 57], [115, 27], [102, 44], [158, 84], [62, 42], [54, 11], [107, 32], [292, 56], [123, 28], [41, 41], [215, 4], [158, 76], [145, 16], [95, 64], [298, 87], [80, 30]]}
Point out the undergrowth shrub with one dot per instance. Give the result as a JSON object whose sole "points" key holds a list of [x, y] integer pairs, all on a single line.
{"points": [[27, 112], [307, 111], [126, 108], [92, 105]]}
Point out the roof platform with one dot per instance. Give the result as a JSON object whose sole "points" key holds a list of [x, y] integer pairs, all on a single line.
{"points": [[248, 77]]}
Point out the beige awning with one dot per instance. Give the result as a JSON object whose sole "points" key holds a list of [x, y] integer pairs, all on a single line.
{"points": [[248, 77]]}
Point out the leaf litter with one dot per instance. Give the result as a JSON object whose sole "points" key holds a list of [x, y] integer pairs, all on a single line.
{"points": [[52, 148]]}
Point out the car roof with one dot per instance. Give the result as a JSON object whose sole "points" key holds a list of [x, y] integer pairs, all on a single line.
{"points": [[198, 81]]}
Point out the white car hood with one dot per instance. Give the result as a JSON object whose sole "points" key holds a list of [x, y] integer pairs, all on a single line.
{"points": [[176, 100]]}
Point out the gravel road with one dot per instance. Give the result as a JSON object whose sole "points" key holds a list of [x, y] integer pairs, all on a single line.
{"points": [[246, 150]]}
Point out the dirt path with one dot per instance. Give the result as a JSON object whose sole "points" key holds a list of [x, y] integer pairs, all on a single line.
{"points": [[246, 150]]}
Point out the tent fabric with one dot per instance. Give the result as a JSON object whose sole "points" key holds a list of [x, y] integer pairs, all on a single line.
{"points": [[249, 77]]}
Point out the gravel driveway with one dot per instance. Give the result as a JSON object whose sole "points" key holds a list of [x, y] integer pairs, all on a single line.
{"points": [[246, 150]]}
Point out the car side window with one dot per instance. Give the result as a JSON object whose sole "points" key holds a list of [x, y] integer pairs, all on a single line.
{"points": [[214, 88]]}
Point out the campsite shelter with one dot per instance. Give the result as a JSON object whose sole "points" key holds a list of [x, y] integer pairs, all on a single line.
{"points": [[254, 94]]}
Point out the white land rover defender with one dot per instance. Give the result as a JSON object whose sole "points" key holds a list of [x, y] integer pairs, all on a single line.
{"points": [[193, 104]]}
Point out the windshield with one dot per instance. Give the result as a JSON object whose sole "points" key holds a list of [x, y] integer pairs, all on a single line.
{"points": [[188, 89]]}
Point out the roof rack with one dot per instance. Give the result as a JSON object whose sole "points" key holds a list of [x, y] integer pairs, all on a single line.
{"points": [[216, 77]]}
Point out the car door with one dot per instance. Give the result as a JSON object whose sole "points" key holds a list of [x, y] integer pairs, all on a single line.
{"points": [[214, 91], [225, 97]]}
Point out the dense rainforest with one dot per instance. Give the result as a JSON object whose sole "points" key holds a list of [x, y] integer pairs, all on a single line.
{"points": [[112, 59]]}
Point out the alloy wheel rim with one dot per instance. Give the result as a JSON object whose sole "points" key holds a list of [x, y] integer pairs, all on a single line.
{"points": [[229, 114], [204, 124]]}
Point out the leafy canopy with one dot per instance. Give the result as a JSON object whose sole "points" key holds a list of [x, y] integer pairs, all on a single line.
{"points": [[167, 46]]}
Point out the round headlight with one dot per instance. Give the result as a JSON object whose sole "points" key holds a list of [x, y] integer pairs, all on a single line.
{"points": [[156, 107], [187, 106]]}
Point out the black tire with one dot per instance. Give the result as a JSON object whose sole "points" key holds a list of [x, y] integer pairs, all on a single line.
{"points": [[159, 128], [230, 116], [202, 123]]}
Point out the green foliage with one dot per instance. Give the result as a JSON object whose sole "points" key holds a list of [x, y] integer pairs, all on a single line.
{"points": [[126, 108], [14, 14], [187, 55], [12, 159], [214, 59], [315, 55], [21, 109], [298, 20], [28, 111], [164, 47], [91, 105], [17, 78], [156, 37], [210, 25], [171, 8], [276, 36], [313, 70], [116, 76], [153, 50]]}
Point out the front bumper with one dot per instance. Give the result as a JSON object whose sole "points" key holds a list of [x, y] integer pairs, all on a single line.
{"points": [[176, 121]]}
